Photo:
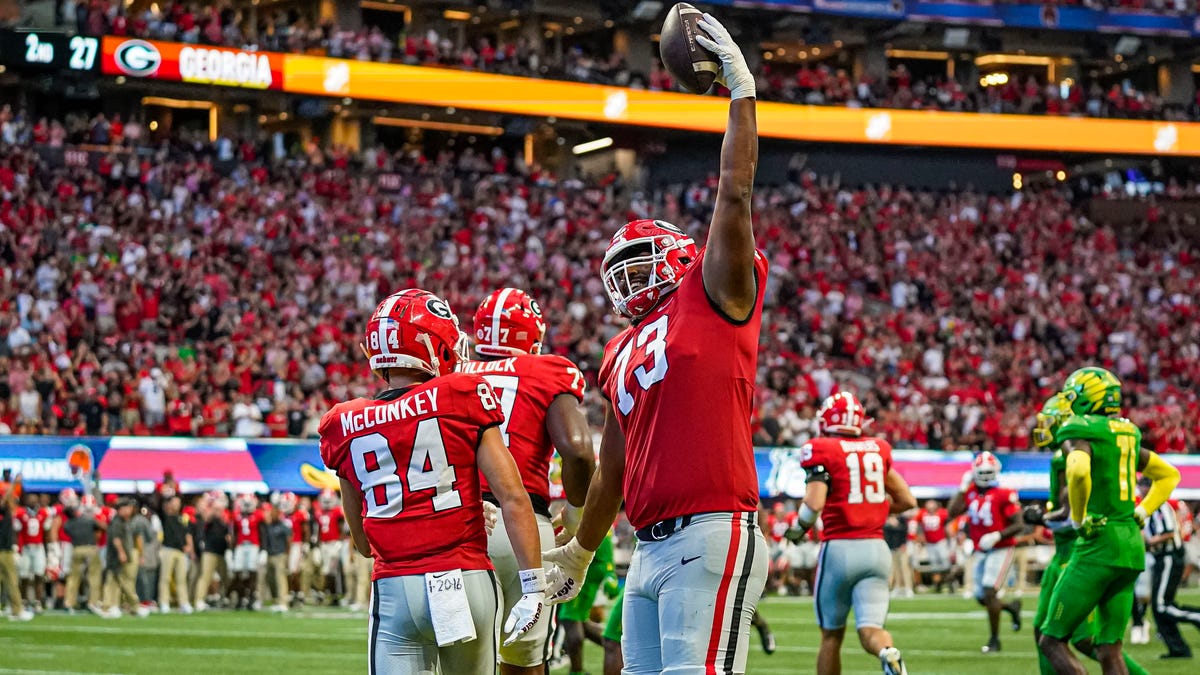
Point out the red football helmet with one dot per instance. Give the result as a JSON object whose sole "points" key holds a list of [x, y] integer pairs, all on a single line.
{"points": [[414, 329], [842, 414], [246, 503], [69, 498], [87, 504], [645, 261], [328, 499], [986, 469], [288, 502], [509, 322]]}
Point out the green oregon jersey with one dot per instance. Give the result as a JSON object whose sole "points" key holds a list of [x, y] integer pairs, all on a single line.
{"points": [[1064, 538], [1115, 446]]}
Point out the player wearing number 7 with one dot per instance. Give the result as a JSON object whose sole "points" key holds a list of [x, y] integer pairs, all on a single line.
{"points": [[853, 487], [679, 383], [539, 395], [409, 461]]}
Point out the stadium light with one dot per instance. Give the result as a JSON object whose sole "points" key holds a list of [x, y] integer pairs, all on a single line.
{"points": [[591, 146]]}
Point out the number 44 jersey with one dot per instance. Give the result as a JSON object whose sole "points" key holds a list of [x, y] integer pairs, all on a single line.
{"points": [[857, 504], [412, 454], [681, 383]]}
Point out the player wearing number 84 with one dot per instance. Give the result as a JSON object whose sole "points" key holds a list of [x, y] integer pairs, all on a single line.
{"points": [[679, 384], [851, 484], [409, 461]]}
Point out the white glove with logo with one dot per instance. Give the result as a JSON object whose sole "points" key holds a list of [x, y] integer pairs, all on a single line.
{"points": [[735, 75], [988, 541], [570, 562], [528, 609], [491, 513]]}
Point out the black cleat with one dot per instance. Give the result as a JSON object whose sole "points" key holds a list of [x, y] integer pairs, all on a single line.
{"points": [[1014, 610], [991, 647], [768, 640], [1176, 655]]}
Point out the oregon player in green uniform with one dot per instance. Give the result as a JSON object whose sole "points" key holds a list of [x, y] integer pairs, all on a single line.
{"points": [[1103, 456], [574, 614], [1054, 412]]}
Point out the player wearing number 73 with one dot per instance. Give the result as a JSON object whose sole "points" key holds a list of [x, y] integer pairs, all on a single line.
{"points": [[676, 446], [851, 480], [409, 461]]}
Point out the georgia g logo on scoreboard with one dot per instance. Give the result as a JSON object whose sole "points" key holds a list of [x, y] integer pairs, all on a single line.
{"points": [[137, 58]]}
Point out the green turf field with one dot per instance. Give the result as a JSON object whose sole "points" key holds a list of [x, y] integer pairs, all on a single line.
{"points": [[939, 635]]}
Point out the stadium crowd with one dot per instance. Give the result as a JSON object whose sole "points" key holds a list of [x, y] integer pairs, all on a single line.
{"points": [[152, 293], [816, 84]]}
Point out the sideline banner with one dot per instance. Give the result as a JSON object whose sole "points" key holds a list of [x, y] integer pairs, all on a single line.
{"points": [[130, 464]]}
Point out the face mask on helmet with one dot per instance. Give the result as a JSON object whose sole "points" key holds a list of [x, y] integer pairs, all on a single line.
{"points": [[986, 470], [640, 270]]}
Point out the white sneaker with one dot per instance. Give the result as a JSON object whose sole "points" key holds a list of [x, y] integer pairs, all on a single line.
{"points": [[164, 608], [23, 615], [112, 613], [185, 609], [256, 606], [1139, 635], [95, 609], [355, 607], [201, 606], [143, 611], [892, 663], [279, 609]]}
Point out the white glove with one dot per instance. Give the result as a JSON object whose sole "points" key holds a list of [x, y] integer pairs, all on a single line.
{"points": [[565, 579], [528, 609], [735, 75], [988, 541], [1140, 516], [491, 514], [968, 479]]}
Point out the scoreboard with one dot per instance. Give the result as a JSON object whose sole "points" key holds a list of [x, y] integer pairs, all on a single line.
{"points": [[49, 51]]}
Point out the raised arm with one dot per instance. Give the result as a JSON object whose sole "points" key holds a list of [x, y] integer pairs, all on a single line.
{"points": [[728, 265]]}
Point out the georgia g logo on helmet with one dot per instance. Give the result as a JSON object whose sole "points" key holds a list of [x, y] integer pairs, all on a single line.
{"points": [[439, 308]]}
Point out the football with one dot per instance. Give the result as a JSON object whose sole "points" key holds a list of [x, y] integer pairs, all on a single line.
{"points": [[692, 66]]}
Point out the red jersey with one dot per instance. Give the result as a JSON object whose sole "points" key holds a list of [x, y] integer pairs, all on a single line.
{"points": [[933, 525], [681, 383], [526, 386], [412, 453], [245, 528], [104, 516], [991, 510], [296, 520], [60, 514], [34, 526], [329, 523], [778, 525], [857, 504]]}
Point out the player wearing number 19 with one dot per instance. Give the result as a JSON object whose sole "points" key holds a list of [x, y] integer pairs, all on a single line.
{"points": [[409, 461], [851, 480], [679, 383], [539, 395], [1103, 459]]}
